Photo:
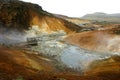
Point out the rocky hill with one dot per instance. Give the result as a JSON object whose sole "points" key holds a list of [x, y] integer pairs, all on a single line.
{"points": [[21, 15], [99, 16], [75, 20], [106, 40], [17, 18], [88, 55]]}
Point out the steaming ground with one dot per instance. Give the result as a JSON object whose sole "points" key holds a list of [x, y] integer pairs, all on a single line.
{"points": [[70, 55], [13, 36], [52, 45]]}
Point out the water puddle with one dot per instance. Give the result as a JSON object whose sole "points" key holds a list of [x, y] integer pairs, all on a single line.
{"points": [[70, 55], [75, 57]]}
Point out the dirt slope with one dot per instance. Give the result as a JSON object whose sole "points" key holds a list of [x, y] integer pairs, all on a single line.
{"points": [[16, 63], [99, 16], [103, 40], [108, 69], [22, 15], [77, 21]]}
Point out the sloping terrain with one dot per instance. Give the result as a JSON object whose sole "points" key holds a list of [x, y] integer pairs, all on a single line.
{"points": [[77, 21], [108, 69], [20, 15], [99, 16], [17, 18], [20, 20], [50, 24], [17, 63], [100, 40]]}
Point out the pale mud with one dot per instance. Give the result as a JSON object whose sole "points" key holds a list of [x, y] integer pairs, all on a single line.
{"points": [[70, 55]]}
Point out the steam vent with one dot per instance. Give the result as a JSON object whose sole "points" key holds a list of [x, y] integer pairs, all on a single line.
{"points": [[38, 45]]}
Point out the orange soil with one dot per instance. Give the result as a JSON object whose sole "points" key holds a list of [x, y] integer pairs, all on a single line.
{"points": [[16, 63], [108, 69], [102, 40], [52, 23]]}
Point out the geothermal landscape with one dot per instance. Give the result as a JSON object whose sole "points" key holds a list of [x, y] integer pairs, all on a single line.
{"points": [[37, 45]]}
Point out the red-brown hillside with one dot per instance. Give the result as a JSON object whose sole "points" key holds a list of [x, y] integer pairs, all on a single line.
{"points": [[18, 64], [102, 40], [15, 63], [22, 15]]}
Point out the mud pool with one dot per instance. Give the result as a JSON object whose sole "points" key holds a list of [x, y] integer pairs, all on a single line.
{"points": [[72, 56]]}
